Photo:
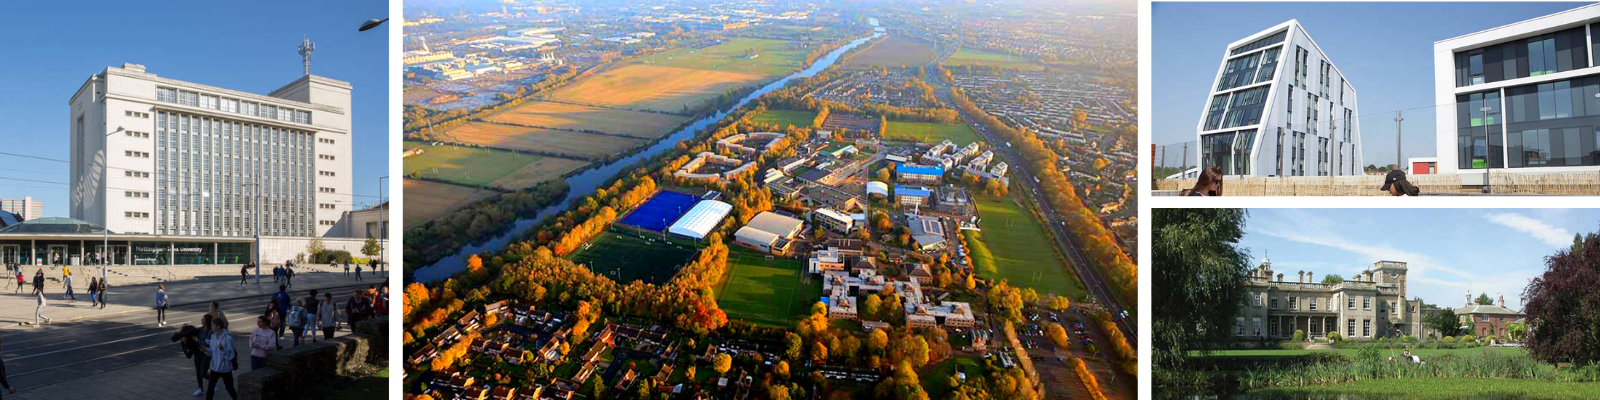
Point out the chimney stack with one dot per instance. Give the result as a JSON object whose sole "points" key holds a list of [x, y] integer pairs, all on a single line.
{"points": [[1280, 277], [1310, 279], [1302, 277], [1502, 301]]}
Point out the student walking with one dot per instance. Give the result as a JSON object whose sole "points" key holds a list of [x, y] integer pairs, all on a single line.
{"points": [[244, 273], [161, 304], [274, 320], [262, 342], [104, 285], [288, 275], [358, 272], [193, 341], [38, 281], [94, 291], [312, 305], [20, 280], [38, 313], [66, 280], [281, 298], [347, 268], [215, 312], [223, 359], [325, 316], [297, 320], [3, 381]]}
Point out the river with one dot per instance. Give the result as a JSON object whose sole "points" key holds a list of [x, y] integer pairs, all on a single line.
{"points": [[585, 183]]}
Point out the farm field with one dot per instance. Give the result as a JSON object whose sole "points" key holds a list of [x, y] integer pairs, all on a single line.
{"points": [[967, 56], [1014, 247], [774, 57], [428, 200], [931, 132], [628, 256], [585, 145], [485, 167], [894, 52], [798, 118], [547, 114], [653, 87], [766, 291]]}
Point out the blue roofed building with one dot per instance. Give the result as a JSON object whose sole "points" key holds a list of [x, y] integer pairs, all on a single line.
{"points": [[919, 174], [913, 195]]}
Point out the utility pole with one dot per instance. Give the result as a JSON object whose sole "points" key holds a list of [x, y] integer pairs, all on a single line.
{"points": [[1397, 119], [1183, 168]]}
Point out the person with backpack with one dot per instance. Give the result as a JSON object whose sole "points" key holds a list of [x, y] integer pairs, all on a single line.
{"points": [[296, 320], [325, 316], [224, 359], [193, 341], [161, 304], [282, 299], [347, 268]]}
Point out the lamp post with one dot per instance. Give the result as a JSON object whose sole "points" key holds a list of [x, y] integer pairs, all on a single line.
{"points": [[1488, 186], [371, 23]]}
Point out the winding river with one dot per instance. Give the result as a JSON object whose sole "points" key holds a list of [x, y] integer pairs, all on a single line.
{"points": [[585, 183]]}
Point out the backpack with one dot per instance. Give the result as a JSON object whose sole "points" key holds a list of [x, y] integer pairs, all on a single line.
{"points": [[295, 316]]}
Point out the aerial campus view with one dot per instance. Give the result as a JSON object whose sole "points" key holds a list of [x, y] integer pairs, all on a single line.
{"points": [[1382, 303], [756, 200]]}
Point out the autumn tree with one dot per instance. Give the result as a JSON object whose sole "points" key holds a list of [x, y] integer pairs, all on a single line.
{"points": [[1056, 334], [721, 363]]}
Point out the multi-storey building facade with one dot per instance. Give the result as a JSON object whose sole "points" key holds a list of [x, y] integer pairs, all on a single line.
{"points": [[1280, 108], [1539, 83], [26, 207], [159, 156], [1487, 319], [1372, 305]]}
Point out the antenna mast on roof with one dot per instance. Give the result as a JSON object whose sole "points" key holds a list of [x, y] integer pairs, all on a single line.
{"points": [[306, 47]]}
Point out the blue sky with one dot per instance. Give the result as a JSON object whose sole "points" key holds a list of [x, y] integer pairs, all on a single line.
{"points": [[1384, 49], [53, 47], [1448, 251]]}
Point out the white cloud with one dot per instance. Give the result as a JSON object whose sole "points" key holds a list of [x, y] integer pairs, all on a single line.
{"points": [[1552, 235]]}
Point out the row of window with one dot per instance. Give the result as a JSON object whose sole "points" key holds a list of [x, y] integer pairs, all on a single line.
{"points": [[135, 114], [225, 104], [136, 214], [325, 173], [325, 140], [1534, 56], [1263, 42], [135, 174], [1239, 327], [144, 195], [328, 157], [246, 168], [325, 206], [325, 222], [135, 134], [136, 154], [1546, 125]]}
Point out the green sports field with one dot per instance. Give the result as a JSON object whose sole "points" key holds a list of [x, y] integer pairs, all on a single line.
{"points": [[625, 256], [482, 167], [773, 57], [785, 118], [1014, 247], [931, 132], [769, 291], [966, 56]]}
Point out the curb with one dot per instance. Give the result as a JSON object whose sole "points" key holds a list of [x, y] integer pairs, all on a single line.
{"points": [[171, 305]]}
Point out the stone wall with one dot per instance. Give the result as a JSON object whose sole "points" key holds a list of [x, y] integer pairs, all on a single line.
{"points": [[297, 371]]}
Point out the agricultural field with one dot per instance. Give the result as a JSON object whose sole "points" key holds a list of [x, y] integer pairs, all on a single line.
{"points": [[1014, 247], [769, 291], [428, 200], [894, 52], [967, 56], [545, 114], [654, 87], [771, 57], [628, 256], [798, 118], [584, 145], [485, 167], [931, 132]]}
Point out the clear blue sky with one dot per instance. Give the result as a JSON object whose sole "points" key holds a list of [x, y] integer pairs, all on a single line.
{"points": [[1448, 251], [1384, 49], [53, 47]]}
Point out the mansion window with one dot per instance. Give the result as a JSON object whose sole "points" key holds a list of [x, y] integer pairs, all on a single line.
{"points": [[1314, 301], [1351, 301], [1294, 303], [1350, 328], [1272, 327], [1273, 303], [1366, 327], [1366, 303]]}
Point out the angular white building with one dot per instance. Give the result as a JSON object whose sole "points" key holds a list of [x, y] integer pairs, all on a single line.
{"points": [[1280, 108], [1539, 81], [159, 156]]}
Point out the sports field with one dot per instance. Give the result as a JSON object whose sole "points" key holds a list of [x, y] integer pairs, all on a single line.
{"points": [[770, 57], [894, 52], [769, 291], [586, 145], [588, 118], [784, 118], [967, 56], [653, 87], [485, 167], [428, 200], [1014, 247], [660, 211], [931, 132], [627, 256]]}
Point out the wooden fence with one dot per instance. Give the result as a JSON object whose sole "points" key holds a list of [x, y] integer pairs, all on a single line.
{"points": [[1556, 183]]}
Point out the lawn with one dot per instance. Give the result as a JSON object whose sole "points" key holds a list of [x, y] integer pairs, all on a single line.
{"points": [[784, 118], [484, 167], [375, 386], [628, 256], [931, 132], [769, 291], [1424, 353], [936, 379], [427, 200], [967, 56], [1014, 247], [1444, 389], [772, 57]]}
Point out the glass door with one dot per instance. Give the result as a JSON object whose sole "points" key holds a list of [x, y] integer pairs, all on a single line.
{"points": [[12, 253]]}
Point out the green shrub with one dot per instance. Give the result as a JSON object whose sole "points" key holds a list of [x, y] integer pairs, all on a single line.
{"points": [[1469, 339], [1448, 339], [1291, 346], [331, 256], [1335, 337], [1299, 335]]}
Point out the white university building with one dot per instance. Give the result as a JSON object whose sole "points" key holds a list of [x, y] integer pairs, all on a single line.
{"points": [[1280, 108], [1539, 81], [160, 156]]}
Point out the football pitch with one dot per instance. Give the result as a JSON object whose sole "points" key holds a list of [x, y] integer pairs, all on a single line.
{"points": [[628, 256], [768, 291]]}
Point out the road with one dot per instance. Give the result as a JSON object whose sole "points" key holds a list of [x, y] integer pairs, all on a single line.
{"points": [[67, 350]]}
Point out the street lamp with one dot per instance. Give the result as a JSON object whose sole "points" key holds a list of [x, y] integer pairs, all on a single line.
{"points": [[1488, 186], [371, 23]]}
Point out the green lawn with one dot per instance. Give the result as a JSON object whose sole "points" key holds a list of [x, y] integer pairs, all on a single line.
{"points": [[936, 379], [1015, 248], [1444, 389], [774, 57], [967, 56], [627, 256], [374, 387], [784, 118], [1424, 353], [464, 165], [766, 291], [931, 132]]}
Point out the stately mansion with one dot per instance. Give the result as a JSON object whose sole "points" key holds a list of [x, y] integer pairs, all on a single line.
{"points": [[1371, 305]]}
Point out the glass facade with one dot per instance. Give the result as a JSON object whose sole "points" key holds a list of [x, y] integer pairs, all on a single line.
{"points": [[1238, 72], [1219, 105], [1231, 151], [1477, 133], [1552, 124], [212, 175], [1534, 56], [1263, 42], [1246, 108]]}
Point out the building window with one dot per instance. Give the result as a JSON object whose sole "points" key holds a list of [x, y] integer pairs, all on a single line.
{"points": [[136, 154], [135, 114], [325, 206], [1351, 330], [1246, 107], [325, 140], [325, 157], [325, 223], [325, 189], [1533, 56], [1219, 105], [1366, 303], [1478, 134], [135, 174], [1314, 301], [1238, 323], [1269, 64], [1366, 328], [1294, 303], [325, 173], [133, 134], [1272, 327], [1351, 302], [1272, 304], [144, 195], [135, 214]]}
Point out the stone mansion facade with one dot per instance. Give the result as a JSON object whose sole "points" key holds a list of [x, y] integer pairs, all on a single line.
{"points": [[1371, 305]]}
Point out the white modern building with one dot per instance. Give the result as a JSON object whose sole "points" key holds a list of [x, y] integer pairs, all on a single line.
{"points": [[1280, 108], [1539, 81], [159, 156], [701, 219], [25, 207]]}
